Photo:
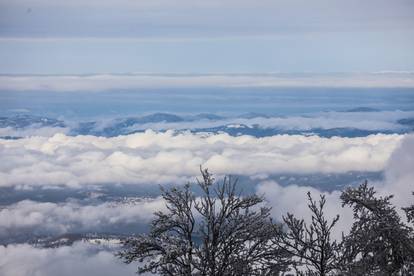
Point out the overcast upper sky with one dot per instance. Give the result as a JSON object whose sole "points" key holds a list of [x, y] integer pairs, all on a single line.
{"points": [[194, 36]]}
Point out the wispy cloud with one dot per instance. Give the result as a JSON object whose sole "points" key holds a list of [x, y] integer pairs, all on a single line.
{"points": [[135, 81]]}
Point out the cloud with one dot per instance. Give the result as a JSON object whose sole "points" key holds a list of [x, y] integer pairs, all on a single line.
{"points": [[79, 259], [88, 259], [378, 121], [32, 130], [45, 218], [383, 120], [185, 18], [175, 36], [151, 157], [293, 199], [398, 181], [399, 174], [136, 81]]}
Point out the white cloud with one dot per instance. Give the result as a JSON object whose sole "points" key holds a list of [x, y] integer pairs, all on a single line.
{"points": [[293, 199], [79, 259], [150, 157], [87, 259], [399, 176], [382, 120], [370, 121], [42, 218], [33, 130], [136, 81]]}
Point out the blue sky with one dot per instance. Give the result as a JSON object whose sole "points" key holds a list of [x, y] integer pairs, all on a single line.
{"points": [[246, 36]]}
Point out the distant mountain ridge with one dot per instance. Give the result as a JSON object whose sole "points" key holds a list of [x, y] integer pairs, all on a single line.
{"points": [[244, 124]]}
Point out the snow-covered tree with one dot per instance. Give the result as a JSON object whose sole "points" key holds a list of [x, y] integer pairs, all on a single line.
{"points": [[314, 250], [409, 211], [379, 243], [218, 233]]}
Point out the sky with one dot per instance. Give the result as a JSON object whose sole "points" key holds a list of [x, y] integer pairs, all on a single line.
{"points": [[183, 36]]}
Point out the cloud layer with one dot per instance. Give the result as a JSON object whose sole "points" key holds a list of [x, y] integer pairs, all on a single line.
{"points": [[343, 124], [46, 218], [189, 19], [398, 181], [79, 259], [32, 131], [137, 81], [88, 259], [381, 120], [151, 157]]}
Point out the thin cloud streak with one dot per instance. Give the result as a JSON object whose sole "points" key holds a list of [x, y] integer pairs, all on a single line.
{"points": [[105, 82]]}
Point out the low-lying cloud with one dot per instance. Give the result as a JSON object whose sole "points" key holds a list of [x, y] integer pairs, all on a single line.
{"points": [[151, 157], [381, 120], [79, 259], [46, 218], [66, 83], [399, 174], [398, 181], [375, 121], [85, 258], [32, 130]]}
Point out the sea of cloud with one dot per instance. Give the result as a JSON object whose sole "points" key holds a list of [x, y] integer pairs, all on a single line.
{"points": [[173, 158], [380, 120], [375, 121], [31, 218], [398, 181], [32, 131], [81, 258]]}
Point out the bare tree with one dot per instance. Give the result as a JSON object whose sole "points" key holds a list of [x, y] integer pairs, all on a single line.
{"points": [[312, 244], [378, 243], [219, 233]]}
